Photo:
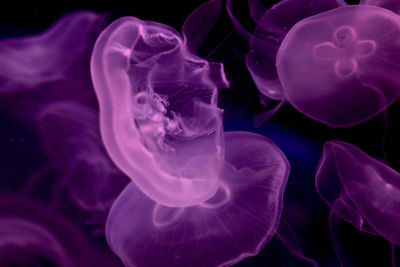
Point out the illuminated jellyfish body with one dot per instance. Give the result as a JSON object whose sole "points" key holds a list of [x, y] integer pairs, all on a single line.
{"points": [[158, 115], [26, 62], [236, 223], [199, 197], [341, 67], [33, 235], [360, 189], [71, 137], [392, 5], [272, 27]]}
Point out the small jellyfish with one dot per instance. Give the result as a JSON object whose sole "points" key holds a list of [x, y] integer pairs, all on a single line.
{"points": [[158, 115], [360, 189], [71, 137], [33, 235], [26, 62], [393, 5], [341, 67], [235, 223]]}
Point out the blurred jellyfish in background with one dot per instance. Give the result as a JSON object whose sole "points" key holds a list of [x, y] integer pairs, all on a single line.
{"points": [[360, 190], [199, 197], [31, 234], [71, 138], [39, 79], [392, 5], [28, 62], [51, 66]]}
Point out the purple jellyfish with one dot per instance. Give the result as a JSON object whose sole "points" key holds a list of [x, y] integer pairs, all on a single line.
{"points": [[235, 223], [199, 197], [31, 234], [341, 67], [360, 189], [71, 138], [158, 115]]}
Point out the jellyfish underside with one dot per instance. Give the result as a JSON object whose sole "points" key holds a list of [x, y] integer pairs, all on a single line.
{"points": [[339, 71], [235, 223]]}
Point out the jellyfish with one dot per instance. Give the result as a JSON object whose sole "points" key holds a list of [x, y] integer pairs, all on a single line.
{"points": [[33, 235], [158, 115], [71, 138], [235, 223], [26, 62], [360, 189], [392, 5], [198, 196], [341, 67]]}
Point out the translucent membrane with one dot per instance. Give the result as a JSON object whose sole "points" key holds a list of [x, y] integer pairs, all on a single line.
{"points": [[32, 235], [235, 223], [341, 67], [71, 137], [272, 27], [360, 189], [26, 62], [392, 5], [158, 115]]}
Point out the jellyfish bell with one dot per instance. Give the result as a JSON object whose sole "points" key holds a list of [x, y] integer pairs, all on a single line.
{"points": [[360, 189], [340, 67], [158, 116], [235, 223], [32, 235]]}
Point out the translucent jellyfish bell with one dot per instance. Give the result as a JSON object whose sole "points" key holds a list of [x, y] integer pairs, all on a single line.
{"points": [[236, 223], [341, 67], [360, 189], [26, 62], [158, 115]]}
